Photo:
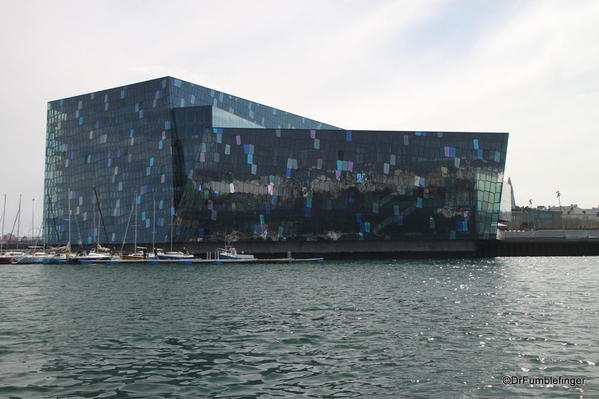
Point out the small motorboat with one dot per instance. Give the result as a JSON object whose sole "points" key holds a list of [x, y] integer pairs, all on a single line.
{"points": [[229, 252]]}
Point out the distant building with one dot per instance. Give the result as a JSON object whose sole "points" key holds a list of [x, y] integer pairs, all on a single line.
{"points": [[169, 156], [508, 202], [550, 218]]}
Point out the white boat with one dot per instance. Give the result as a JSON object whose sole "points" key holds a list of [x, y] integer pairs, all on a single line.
{"points": [[60, 258], [138, 255], [41, 257], [173, 255], [231, 253], [97, 254], [133, 256], [32, 259], [93, 256], [62, 255]]}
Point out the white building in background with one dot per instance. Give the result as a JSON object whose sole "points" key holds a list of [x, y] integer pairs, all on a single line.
{"points": [[507, 201]]}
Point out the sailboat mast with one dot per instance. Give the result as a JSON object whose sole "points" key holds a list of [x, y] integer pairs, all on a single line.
{"points": [[172, 228], [33, 218], [101, 216], [98, 233], [95, 219], [19, 220], [43, 230], [69, 209], [154, 228], [3, 217], [128, 222], [135, 233]]}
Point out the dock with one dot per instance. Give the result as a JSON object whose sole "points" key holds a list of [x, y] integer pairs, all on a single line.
{"points": [[199, 261]]}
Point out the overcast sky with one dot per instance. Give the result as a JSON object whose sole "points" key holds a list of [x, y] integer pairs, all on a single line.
{"points": [[530, 68]]}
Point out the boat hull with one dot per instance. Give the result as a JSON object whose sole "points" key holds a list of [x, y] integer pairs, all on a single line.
{"points": [[236, 257], [28, 260], [175, 257], [92, 259]]}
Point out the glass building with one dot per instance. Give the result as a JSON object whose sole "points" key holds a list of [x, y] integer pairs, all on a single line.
{"points": [[166, 157]]}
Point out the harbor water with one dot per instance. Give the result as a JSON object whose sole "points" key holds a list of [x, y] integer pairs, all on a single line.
{"points": [[362, 328]]}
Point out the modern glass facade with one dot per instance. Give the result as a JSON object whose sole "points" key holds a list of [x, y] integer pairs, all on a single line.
{"points": [[123, 141], [212, 165], [280, 184]]}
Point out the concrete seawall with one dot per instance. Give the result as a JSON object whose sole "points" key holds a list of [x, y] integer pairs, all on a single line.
{"points": [[413, 248], [417, 249]]}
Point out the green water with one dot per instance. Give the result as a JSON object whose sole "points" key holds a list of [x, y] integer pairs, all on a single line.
{"points": [[369, 329]]}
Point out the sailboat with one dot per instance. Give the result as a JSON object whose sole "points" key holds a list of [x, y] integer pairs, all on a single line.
{"points": [[64, 254], [5, 257], [99, 253], [38, 256], [139, 253], [21, 257], [173, 255], [12, 256]]}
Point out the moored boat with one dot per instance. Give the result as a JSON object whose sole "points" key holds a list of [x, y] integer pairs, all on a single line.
{"points": [[174, 255], [140, 254], [92, 256], [229, 252], [60, 258], [32, 259], [10, 256]]}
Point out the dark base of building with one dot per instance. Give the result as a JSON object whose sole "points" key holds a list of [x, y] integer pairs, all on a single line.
{"points": [[398, 249], [533, 247]]}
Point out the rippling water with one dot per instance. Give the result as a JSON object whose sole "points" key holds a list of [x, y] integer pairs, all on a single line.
{"points": [[371, 329]]}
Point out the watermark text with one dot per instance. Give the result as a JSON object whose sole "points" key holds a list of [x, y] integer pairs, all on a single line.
{"points": [[546, 380]]}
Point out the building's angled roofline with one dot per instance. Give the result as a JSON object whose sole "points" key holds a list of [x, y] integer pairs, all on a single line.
{"points": [[194, 84], [255, 102], [111, 88], [377, 130]]}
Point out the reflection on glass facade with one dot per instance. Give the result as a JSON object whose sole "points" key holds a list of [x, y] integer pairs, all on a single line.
{"points": [[124, 142], [280, 184], [215, 165]]}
